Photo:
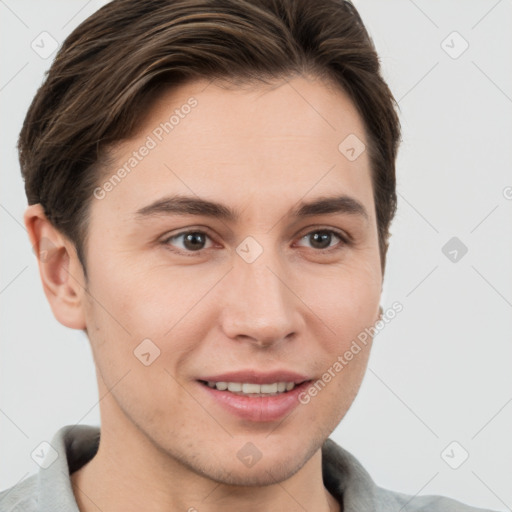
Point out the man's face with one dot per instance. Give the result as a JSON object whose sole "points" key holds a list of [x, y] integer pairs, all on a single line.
{"points": [[267, 296]]}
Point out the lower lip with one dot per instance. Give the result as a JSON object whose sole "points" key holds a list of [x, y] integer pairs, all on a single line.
{"points": [[257, 408]]}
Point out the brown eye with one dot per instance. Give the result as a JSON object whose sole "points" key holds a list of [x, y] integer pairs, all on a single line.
{"points": [[323, 239], [192, 241]]}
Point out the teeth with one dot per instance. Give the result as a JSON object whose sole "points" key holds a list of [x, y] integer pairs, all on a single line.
{"points": [[268, 388], [248, 388]]}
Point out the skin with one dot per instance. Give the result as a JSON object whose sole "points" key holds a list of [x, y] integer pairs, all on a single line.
{"points": [[165, 444]]}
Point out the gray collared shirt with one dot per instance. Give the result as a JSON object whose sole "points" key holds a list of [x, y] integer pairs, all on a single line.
{"points": [[50, 489]]}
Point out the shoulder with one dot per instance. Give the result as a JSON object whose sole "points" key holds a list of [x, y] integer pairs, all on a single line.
{"points": [[21, 497], [390, 500], [350, 483], [50, 488]]}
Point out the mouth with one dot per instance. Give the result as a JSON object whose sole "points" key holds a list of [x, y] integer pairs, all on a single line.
{"points": [[255, 397]]}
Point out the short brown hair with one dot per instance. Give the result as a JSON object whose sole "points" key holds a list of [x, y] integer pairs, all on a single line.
{"points": [[111, 67]]}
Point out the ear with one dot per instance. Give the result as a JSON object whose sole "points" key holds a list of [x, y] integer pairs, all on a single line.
{"points": [[61, 272]]}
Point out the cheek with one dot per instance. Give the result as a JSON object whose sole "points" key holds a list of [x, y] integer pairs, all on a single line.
{"points": [[345, 305], [143, 301], [135, 311], [346, 298]]}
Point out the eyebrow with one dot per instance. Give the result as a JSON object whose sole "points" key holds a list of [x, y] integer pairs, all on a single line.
{"points": [[189, 205]]}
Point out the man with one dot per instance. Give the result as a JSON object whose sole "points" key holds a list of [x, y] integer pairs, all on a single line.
{"points": [[211, 186]]}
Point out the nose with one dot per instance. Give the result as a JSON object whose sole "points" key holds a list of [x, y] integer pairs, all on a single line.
{"points": [[259, 305]]}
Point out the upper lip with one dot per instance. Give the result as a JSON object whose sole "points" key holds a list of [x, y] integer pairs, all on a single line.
{"points": [[257, 377]]}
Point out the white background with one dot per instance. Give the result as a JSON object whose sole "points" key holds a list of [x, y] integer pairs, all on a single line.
{"points": [[441, 371]]}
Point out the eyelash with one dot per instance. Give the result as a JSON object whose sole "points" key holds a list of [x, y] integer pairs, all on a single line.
{"points": [[344, 240]]}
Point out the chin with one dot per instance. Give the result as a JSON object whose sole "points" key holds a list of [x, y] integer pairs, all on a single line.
{"points": [[274, 465]]}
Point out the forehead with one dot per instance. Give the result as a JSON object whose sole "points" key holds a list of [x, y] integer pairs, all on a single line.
{"points": [[217, 140], [300, 110]]}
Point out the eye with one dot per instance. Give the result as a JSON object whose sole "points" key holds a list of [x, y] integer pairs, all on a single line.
{"points": [[192, 241], [321, 239], [195, 241]]}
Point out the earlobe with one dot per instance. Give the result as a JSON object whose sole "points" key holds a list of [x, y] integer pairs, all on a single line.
{"points": [[60, 270]]}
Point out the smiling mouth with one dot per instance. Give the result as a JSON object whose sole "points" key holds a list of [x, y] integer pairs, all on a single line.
{"points": [[252, 389]]}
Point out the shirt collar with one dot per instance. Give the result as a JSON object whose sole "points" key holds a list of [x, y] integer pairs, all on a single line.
{"points": [[75, 445]]}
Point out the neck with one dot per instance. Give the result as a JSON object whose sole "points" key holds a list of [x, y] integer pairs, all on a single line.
{"points": [[129, 473]]}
